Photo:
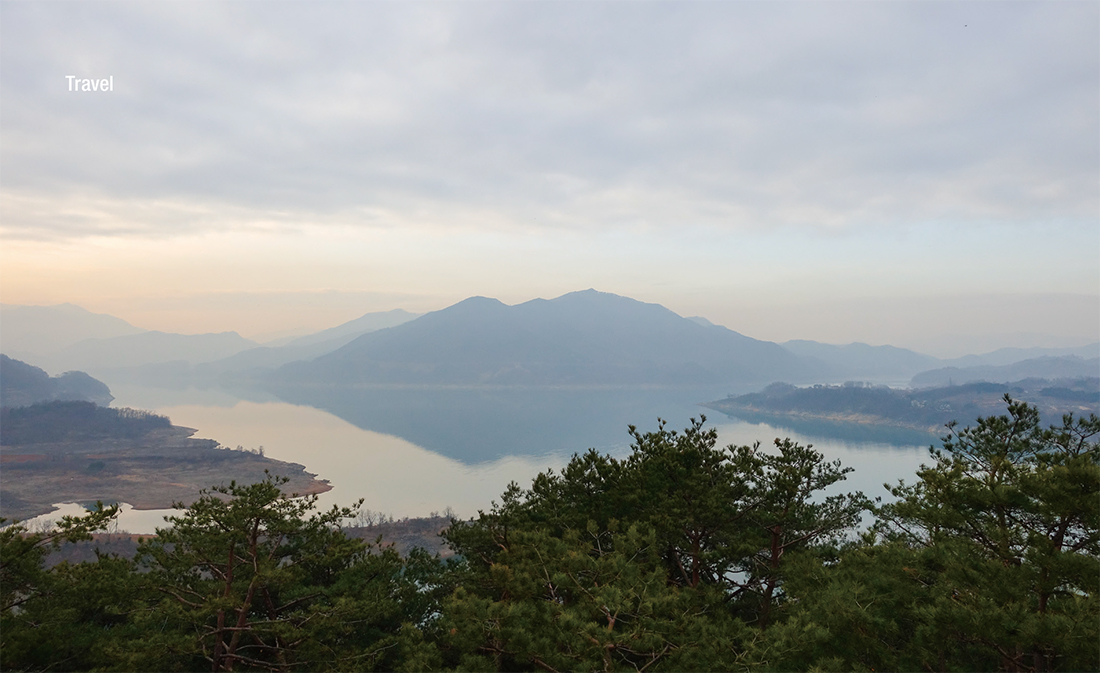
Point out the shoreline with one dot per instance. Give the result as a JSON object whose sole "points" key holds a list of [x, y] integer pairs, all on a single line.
{"points": [[151, 472], [855, 419]]}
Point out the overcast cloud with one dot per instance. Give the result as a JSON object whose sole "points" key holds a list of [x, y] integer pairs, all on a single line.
{"points": [[728, 115], [833, 170]]}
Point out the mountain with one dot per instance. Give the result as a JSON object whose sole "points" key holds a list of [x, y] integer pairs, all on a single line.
{"points": [[701, 320], [306, 347], [44, 329], [1008, 356], [148, 348], [861, 361], [342, 334], [582, 338], [1063, 367], [22, 384]]}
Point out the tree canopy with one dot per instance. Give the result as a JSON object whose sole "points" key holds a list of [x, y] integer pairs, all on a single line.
{"points": [[682, 555]]}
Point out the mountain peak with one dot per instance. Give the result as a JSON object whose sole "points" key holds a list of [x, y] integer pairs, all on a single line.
{"points": [[581, 338], [593, 294], [477, 302]]}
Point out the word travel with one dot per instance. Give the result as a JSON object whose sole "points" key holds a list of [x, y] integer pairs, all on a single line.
{"points": [[78, 84]]}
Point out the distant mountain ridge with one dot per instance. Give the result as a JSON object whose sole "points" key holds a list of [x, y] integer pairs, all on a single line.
{"points": [[1008, 356], [304, 348], [148, 348], [43, 329], [1048, 367], [345, 332], [860, 360], [69, 337], [581, 338]]}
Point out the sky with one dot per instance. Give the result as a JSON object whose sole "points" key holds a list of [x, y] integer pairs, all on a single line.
{"points": [[925, 174]]}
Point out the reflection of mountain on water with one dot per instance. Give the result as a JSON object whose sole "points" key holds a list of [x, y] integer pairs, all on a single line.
{"points": [[475, 425], [849, 433], [158, 397]]}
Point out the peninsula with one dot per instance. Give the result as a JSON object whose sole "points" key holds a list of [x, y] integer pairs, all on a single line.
{"points": [[926, 410], [60, 452]]}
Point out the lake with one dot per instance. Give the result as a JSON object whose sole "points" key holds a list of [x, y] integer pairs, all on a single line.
{"points": [[411, 452]]}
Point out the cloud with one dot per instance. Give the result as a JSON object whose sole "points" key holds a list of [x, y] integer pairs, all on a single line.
{"points": [[546, 115]]}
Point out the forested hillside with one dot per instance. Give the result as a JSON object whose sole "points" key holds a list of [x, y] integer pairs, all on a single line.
{"points": [[22, 384], [52, 422], [927, 409], [681, 556]]}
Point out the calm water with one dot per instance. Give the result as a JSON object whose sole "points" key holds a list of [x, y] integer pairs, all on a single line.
{"points": [[414, 452]]}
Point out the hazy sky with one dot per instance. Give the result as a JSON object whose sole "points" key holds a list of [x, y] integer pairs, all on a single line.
{"points": [[896, 172]]}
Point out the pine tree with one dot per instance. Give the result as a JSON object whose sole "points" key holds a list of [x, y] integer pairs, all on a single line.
{"points": [[245, 573], [990, 561]]}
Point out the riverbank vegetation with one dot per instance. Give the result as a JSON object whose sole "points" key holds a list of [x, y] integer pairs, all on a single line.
{"points": [[681, 556]]}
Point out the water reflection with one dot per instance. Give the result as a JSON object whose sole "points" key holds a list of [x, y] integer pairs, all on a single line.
{"points": [[874, 463], [143, 397], [478, 425], [129, 520], [854, 434], [393, 475], [413, 452]]}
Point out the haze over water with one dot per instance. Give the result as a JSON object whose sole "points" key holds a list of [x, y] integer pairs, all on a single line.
{"points": [[398, 477]]}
